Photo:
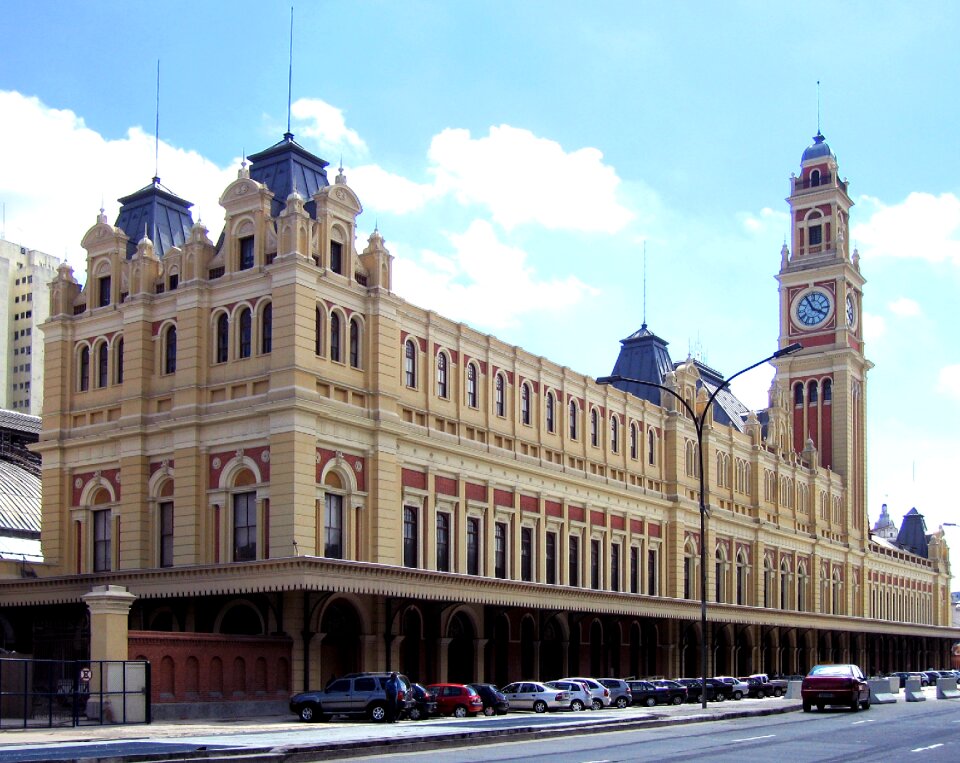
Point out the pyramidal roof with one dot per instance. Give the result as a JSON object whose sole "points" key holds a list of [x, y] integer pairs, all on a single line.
{"points": [[286, 167], [913, 534], [644, 356], [158, 214]]}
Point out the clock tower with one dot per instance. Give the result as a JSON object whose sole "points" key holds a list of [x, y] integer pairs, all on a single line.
{"points": [[821, 292]]}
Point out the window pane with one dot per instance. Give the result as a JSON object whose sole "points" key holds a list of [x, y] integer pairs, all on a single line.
{"points": [[244, 527], [473, 546], [101, 541], [551, 558], [166, 534], [500, 550], [443, 542], [409, 537], [333, 526]]}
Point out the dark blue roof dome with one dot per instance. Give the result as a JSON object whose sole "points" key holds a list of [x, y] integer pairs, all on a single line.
{"points": [[818, 150]]}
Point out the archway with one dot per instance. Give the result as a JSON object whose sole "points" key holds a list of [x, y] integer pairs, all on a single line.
{"points": [[596, 649], [526, 648], [721, 650], [613, 649], [501, 650], [460, 653], [551, 649], [340, 648]]}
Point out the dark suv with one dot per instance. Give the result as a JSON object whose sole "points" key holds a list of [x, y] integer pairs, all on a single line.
{"points": [[357, 694]]}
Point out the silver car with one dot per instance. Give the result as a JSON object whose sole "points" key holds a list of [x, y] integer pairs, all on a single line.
{"points": [[533, 695], [599, 693], [580, 698]]}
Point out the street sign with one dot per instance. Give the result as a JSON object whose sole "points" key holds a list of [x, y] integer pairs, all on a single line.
{"points": [[85, 675]]}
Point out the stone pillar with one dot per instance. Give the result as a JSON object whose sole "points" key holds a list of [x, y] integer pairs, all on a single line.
{"points": [[109, 607]]}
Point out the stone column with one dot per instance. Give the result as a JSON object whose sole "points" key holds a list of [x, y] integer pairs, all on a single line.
{"points": [[109, 607]]}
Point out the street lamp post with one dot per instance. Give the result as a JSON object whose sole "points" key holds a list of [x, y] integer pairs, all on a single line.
{"points": [[699, 422]]}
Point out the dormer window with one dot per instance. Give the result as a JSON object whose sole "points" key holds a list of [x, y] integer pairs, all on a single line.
{"points": [[336, 257], [815, 178], [103, 295], [246, 253]]}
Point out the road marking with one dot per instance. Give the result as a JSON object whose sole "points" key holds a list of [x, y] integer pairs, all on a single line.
{"points": [[750, 739], [865, 720], [924, 749]]}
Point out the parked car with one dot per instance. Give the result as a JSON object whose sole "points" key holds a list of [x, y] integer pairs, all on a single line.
{"points": [[424, 703], [722, 690], [739, 687], [457, 700], [533, 695], [932, 676], [494, 702], [600, 694], [775, 687], [355, 694], [580, 698], [835, 685], [695, 689], [620, 695], [676, 692], [648, 694], [903, 675]]}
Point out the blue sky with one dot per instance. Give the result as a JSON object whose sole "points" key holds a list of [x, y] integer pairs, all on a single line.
{"points": [[517, 156]]}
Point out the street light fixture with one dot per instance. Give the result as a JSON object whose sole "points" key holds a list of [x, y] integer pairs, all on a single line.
{"points": [[699, 422]]}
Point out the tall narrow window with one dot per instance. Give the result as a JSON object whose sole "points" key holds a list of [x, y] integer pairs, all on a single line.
{"points": [[634, 569], [443, 542], [166, 534], [812, 392], [816, 234], [573, 561], [500, 550], [119, 361], [266, 329], [170, 355], [614, 434], [441, 375], [595, 564], [318, 332], [651, 447], [827, 390], [244, 527], [333, 526], [336, 257], [354, 343], [526, 554], [410, 364], [594, 427], [246, 253], [101, 540], [634, 445], [409, 536], [335, 337], [718, 577], [741, 580], [84, 369], [473, 546], [573, 420], [615, 567], [103, 296], [471, 385], [246, 332], [550, 554], [651, 572], [223, 337], [525, 404], [551, 420], [103, 356], [501, 405]]}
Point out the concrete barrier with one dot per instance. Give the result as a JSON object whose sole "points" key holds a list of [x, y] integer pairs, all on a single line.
{"points": [[947, 688], [880, 691], [793, 689], [913, 691]]}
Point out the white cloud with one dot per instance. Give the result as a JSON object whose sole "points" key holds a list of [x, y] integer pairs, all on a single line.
{"points": [[753, 388], [948, 381], [385, 192], [905, 307], [768, 220], [522, 178], [484, 281], [325, 124], [57, 172], [874, 327], [923, 226]]}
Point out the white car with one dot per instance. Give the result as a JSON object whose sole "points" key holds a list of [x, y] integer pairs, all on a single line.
{"points": [[599, 693], [740, 688], [580, 698], [533, 695]]}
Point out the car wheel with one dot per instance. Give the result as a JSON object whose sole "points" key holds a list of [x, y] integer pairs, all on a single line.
{"points": [[622, 702], [378, 712], [414, 713], [855, 704], [597, 704], [488, 711], [577, 705], [459, 712], [778, 692], [738, 695], [807, 707], [865, 704], [820, 707], [678, 700], [539, 706], [650, 701], [309, 712]]}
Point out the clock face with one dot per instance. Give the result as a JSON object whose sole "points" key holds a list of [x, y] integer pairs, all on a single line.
{"points": [[813, 308], [851, 311]]}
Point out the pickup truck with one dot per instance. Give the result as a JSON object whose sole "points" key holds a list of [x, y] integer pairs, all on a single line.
{"points": [[761, 685]]}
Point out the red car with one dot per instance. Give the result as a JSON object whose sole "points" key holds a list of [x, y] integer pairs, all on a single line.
{"points": [[835, 685], [456, 699]]}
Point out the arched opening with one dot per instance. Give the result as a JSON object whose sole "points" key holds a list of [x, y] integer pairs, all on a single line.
{"points": [[596, 649], [460, 654], [501, 651], [526, 648], [340, 648], [551, 649], [241, 619]]}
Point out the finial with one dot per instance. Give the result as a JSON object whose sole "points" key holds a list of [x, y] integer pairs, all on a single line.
{"points": [[818, 109], [290, 81], [644, 324]]}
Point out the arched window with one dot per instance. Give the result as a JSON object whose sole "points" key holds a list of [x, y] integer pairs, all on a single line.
{"points": [[784, 585], [498, 389], [551, 406], [471, 385], [525, 404], [815, 178], [103, 357], [594, 427], [84, 369], [614, 434], [410, 364], [798, 393], [812, 392], [266, 329], [246, 333], [719, 573], [741, 579], [335, 337], [651, 447], [318, 332], [573, 419], [118, 361], [827, 390], [634, 442], [442, 375], [223, 337], [354, 343], [170, 351]]}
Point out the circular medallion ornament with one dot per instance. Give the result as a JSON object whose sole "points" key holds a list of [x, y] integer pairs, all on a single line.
{"points": [[813, 308], [78, 483], [358, 466], [265, 456], [217, 463]]}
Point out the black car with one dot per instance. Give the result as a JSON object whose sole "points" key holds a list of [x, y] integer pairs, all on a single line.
{"points": [[695, 690], [494, 700], [722, 690], [424, 703], [676, 694], [648, 693]]}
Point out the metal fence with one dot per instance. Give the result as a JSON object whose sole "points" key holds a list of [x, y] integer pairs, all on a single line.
{"points": [[46, 693]]}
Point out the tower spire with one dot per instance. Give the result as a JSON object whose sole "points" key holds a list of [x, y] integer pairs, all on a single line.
{"points": [[289, 135], [644, 325], [818, 107], [156, 133]]}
